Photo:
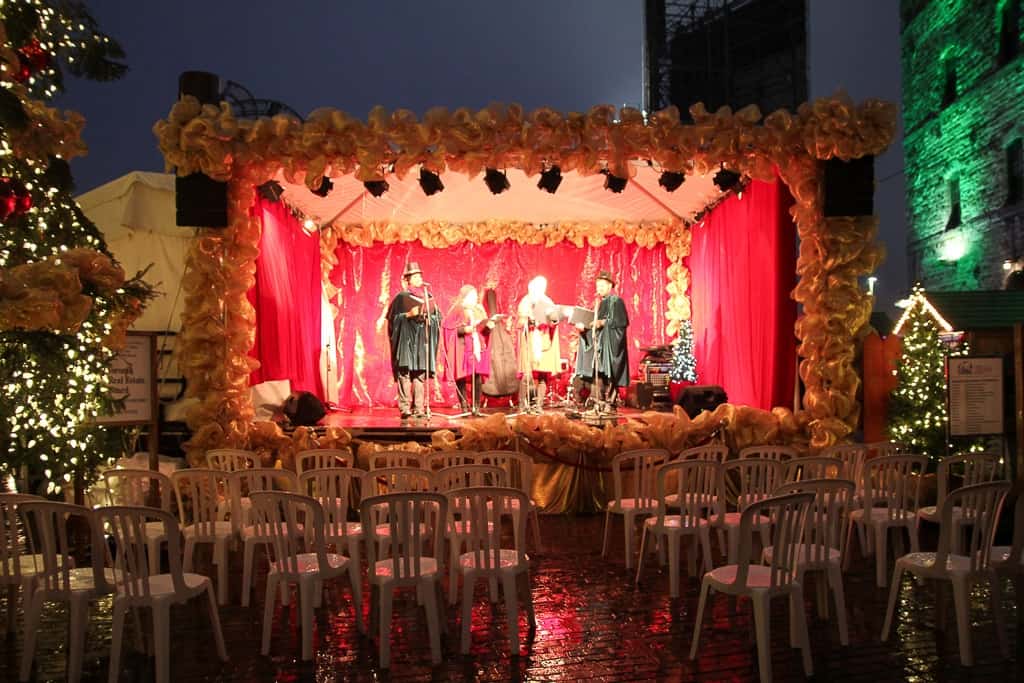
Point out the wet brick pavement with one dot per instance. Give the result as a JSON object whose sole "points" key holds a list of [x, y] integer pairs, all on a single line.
{"points": [[593, 624]]}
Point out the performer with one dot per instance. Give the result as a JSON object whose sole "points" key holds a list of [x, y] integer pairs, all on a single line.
{"points": [[411, 316], [539, 346], [467, 361], [610, 326], [501, 346]]}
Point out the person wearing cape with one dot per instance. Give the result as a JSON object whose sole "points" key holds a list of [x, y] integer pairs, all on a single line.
{"points": [[411, 316], [539, 346], [611, 321], [467, 360], [503, 379]]}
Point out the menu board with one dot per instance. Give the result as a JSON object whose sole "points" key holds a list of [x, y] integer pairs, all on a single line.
{"points": [[974, 394], [131, 379]]}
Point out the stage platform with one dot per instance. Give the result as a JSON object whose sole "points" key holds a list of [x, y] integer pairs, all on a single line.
{"points": [[384, 424]]}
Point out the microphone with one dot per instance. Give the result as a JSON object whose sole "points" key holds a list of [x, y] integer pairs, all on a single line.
{"points": [[426, 284]]}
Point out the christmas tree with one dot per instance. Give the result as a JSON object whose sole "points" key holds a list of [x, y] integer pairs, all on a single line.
{"points": [[684, 364], [65, 303], [917, 407]]}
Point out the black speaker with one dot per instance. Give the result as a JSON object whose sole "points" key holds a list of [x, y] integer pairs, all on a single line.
{"points": [[200, 201], [303, 409], [701, 397], [850, 187]]}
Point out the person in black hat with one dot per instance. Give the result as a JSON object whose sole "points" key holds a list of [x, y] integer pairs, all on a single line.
{"points": [[612, 361], [412, 315]]}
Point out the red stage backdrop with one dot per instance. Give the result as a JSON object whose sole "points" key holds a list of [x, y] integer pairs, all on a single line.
{"points": [[743, 270], [743, 267], [368, 277]]}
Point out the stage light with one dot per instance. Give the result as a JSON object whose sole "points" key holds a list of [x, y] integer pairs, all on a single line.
{"points": [[497, 182], [270, 190], [376, 187], [670, 180], [324, 188], [430, 182], [726, 180], [550, 179], [613, 182]]}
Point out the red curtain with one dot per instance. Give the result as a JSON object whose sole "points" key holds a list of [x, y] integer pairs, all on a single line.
{"points": [[367, 278], [743, 266], [287, 299]]}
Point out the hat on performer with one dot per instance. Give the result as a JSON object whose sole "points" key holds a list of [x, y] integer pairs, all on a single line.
{"points": [[411, 268], [607, 276]]}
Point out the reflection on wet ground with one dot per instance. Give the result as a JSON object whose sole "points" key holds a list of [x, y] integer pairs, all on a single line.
{"points": [[592, 623]]}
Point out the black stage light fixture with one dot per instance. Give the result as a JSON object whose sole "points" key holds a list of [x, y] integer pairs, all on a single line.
{"points": [[430, 182], [670, 180], [497, 182], [376, 187], [726, 180], [550, 179], [324, 188], [271, 190], [613, 182]]}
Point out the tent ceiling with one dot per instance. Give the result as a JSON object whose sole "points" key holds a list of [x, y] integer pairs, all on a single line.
{"points": [[466, 200]]}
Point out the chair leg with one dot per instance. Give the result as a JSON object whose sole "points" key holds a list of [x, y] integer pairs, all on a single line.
{"points": [[961, 601], [33, 612], [643, 552], [705, 542], [535, 525], [762, 627], [797, 613], [153, 550], [915, 545], [894, 592], [512, 612], [220, 558], [248, 551], [433, 625], [528, 601], [386, 597], [705, 588], [355, 582], [821, 593], [835, 580], [691, 557], [12, 608], [673, 541], [849, 540], [189, 555], [307, 598], [79, 624], [268, 612], [881, 555], [733, 534], [218, 632], [467, 610], [997, 614], [628, 525], [116, 634], [318, 594], [607, 533], [454, 546], [722, 542], [162, 641]]}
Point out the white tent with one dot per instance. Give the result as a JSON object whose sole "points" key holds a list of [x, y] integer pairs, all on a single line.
{"points": [[135, 213]]}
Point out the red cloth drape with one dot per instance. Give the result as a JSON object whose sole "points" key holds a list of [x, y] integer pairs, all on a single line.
{"points": [[368, 277], [287, 299], [743, 264]]}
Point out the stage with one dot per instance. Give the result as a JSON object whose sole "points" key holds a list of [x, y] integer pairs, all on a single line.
{"points": [[383, 424]]}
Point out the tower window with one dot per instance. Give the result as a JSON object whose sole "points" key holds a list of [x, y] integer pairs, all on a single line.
{"points": [[953, 187], [1015, 172], [949, 89], [1009, 31]]}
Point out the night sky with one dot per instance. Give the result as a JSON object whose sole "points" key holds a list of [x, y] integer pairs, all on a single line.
{"points": [[566, 54]]}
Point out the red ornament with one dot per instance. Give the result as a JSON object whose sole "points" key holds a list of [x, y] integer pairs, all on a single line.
{"points": [[36, 55]]}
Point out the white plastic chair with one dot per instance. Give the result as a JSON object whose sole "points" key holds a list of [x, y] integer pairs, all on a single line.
{"points": [[812, 467], [755, 479], [199, 492], [982, 502], [137, 588], [638, 499], [977, 468], [763, 582], [770, 452], [881, 449], [284, 518], [519, 467], [241, 485], [416, 559], [231, 459], [891, 491], [1009, 559], [437, 461], [59, 581], [696, 485], [821, 548], [465, 476], [488, 556], [142, 488], [322, 458], [337, 489], [392, 459], [852, 455], [19, 564], [715, 452]]}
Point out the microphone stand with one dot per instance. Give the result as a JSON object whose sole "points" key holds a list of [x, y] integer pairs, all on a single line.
{"points": [[598, 384], [426, 341], [528, 373]]}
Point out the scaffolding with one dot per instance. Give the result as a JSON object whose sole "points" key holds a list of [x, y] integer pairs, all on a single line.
{"points": [[725, 52]]}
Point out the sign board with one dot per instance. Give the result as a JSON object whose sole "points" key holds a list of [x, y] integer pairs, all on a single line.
{"points": [[132, 378], [974, 395]]}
